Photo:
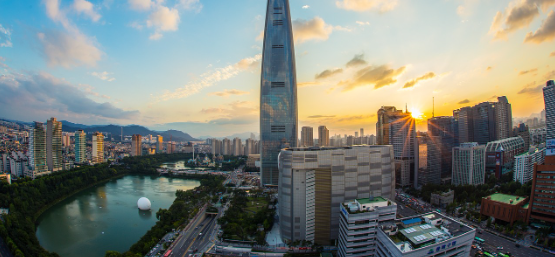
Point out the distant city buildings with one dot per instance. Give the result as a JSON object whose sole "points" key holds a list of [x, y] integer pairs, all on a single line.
{"points": [[323, 136], [307, 136], [159, 144], [97, 148], [469, 164], [136, 145]]}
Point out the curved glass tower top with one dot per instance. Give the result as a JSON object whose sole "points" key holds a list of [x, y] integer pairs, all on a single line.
{"points": [[278, 90]]}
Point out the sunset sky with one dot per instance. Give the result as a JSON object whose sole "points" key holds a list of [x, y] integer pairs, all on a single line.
{"points": [[194, 65]]}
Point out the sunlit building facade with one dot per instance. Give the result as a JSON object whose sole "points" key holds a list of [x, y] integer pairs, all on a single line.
{"points": [[80, 146], [278, 90], [97, 147], [549, 99], [136, 149]]}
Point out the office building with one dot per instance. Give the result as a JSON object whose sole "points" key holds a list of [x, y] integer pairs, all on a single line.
{"points": [[382, 126], [431, 234], [37, 151], [524, 164], [442, 199], [159, 144], [80, 146], [508, 208], [542, 206], [278, 90], [307, 137], [359, 224], [503, 118], [54, 144], [314, 182], [500, 154], [323, 136], [97, 148], [469, 164], [441, 131], [136, 145], [432, 173], [465, 125], [549, 100]]}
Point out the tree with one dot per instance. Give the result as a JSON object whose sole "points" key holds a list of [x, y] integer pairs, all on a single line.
{"points": [[488, 224]]}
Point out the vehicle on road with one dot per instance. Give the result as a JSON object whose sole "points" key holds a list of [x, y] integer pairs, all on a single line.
{"points": [[200, 234], [500, 248], [488, 254], [503, 255], [479, 239], [168, 253]]}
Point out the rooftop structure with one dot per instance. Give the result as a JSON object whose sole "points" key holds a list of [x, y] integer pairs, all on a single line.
{"points": [[509, 208]]}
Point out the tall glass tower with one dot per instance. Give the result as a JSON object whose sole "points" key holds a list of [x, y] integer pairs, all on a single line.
{"points": [[278, 90]]}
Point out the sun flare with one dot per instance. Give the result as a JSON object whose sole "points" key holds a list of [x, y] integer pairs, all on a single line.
{"points": [[416, 114]]}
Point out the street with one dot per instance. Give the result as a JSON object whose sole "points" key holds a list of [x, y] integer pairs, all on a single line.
{"points": [[494, 241]]}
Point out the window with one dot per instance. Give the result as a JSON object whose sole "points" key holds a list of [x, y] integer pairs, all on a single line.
{"points": [[277, 128], [278, 22], [277, 46], [278, 84]]}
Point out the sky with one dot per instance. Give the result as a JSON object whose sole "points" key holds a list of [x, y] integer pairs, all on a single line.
{"points": [[194, 65]]}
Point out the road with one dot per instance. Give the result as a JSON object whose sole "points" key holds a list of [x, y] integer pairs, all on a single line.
{"points": [[196, 238], [493, 241]]}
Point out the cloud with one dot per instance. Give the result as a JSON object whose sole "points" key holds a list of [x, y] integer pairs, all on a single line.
{"points": [[378, 76], [413, 82], [67, 50], [546, 32], [103, 75], [42, 95], [140, 5], [366, 5], [549, 75], [320, 116], [356, 61], [552, 54], [363, 23], [527, 71], [531, 89], [163, 19], [210, 78], [489, 68], [328, 73], [85, 7], [307, 84], [194, 5], [465, 101], [520, 14], [5, 37], [227, 93], [306, 6], [236, 113], [315, 29], [136, 25]]}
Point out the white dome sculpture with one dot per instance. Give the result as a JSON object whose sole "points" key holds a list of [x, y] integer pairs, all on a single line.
{"points": [[143, 204]]}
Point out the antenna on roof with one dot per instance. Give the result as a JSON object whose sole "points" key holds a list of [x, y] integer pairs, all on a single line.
{"points": [[406, 108], [433, 107]]}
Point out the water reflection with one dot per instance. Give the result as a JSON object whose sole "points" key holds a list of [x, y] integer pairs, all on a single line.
{"points": [[145, 214]]}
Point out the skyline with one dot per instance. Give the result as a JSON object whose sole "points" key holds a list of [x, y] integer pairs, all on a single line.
{"points": [[201, 75]]}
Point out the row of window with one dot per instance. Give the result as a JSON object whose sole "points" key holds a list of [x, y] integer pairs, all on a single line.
{"points": [[543, 209], [543, 200]]}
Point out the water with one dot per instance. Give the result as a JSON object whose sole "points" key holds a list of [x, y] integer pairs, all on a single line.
{"points": [[106, 217], [180, 165]]}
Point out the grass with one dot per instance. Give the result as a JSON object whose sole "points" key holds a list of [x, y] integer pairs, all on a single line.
{"points": [[256, 204]]}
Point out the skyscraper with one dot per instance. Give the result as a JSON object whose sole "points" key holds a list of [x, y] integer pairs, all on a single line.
{"points": [[361, 132], [159, 144], [549, 99], [323, 136], [503, 118], [136, 149], [238, 147], [97, 147], [307, 136], [54, 144], [278, 90], [80, 146], [226, 146], [441, 130], [37, 150], [382, 126], [469, 164]]}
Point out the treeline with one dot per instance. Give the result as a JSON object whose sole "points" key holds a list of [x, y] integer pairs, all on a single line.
{"points": [[240, 223], [471, 193], [185, 206], [26, 199]]}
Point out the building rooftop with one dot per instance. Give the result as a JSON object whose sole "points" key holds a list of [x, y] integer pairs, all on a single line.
{"points": [[376, 199], [323, 148], [503, 198]]}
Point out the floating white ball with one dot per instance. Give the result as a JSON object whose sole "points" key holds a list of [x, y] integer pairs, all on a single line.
{"points": [[143, 204]]}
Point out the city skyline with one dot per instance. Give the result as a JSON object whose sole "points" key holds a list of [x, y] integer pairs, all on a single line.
{"points": [[163, 64]]}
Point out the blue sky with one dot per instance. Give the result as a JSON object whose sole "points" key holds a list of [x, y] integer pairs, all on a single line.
{"points": [[194, 65]]}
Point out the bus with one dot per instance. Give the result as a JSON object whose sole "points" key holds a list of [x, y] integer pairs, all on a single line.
{"points": [[438, 210], [168, 253], [488, 254], [479, 240]]}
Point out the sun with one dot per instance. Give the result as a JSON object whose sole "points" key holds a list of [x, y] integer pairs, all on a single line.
{"points": [[416, 114]]}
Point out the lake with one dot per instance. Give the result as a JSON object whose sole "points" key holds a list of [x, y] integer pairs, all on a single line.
{"points": [[106, 217]]}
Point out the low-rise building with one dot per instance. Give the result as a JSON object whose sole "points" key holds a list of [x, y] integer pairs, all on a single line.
{"points": [[252, 159], [500, 154], [509, 208], [524, 164], [359, 223], [431, 234], [442, 199]]}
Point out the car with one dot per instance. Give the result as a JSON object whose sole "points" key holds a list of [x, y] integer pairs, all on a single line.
{"points": [[474, 246], [200, 234], [517, 245], [500, 248]]}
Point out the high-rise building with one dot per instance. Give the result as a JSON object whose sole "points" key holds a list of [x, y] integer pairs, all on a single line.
{"points": [[441, 130], [80, 146], [465, 125], [503, 118], [469, 164], [278, 90], [432, 174], [542, 206], [402, 135], [323, 136], [237, 147], [523, 131], [524, 164], [136, 146], [382, 126], [500, 154], [356, 133], [307, 136], [159, 144], [226, 147], [361, 132], [249, 146], [97, 148], [314, 182], [549, 99], [54, 145], [37, 151], [216, 147]]}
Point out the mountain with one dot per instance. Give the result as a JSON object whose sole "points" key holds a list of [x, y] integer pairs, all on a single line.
{"points": [[129, 130]]}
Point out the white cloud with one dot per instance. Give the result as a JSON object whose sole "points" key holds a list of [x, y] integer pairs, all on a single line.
{"points": [[5, 37], [363, 23], [366, 5], [227, 93], [83, 6], [136, 25], [315, 29], [155, 36], [163, 19], [104, 75], [306, 6], [210, 78], [190, 5], [140, 5]]}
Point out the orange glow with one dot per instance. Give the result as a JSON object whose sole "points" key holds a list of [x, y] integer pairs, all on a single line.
{"points": [[417, 114]]}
